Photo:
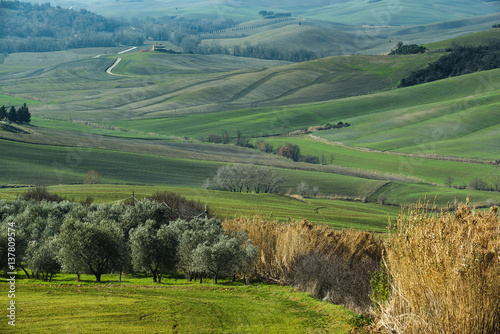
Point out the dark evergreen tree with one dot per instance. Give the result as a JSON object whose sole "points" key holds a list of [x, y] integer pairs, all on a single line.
{"points": [[12, 115], [3, 112], [23, 114]]}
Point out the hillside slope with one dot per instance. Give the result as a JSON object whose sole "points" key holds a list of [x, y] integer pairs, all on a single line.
{"points": [[162, 85], [355, 12]]}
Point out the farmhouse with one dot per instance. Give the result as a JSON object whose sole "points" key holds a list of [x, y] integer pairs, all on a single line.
{"points": [[159, 47]]}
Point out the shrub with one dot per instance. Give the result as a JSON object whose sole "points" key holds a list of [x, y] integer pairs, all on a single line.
{"points": [[290, 151], [40, 193], [179, 207], [444, 272]]}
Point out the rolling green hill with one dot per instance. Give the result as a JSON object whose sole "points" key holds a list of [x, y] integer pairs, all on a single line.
{"points": [[476, 39], [139, 115], [153, 85], [353, 12]]}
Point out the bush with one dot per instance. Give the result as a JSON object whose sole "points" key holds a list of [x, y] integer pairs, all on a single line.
{"points": [[290, 151], [444, 272], [179, 207], [40, 193]]}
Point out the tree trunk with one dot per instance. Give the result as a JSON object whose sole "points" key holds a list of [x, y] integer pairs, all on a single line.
{"points": [[154, 276], [120, 277], [97, 277], [201, 279], [26, 272], [215, 279]]}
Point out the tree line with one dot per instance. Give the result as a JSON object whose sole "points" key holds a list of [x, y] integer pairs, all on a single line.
{"points": [[288, 150], [13, 115], [148, 235], [461, 60]]}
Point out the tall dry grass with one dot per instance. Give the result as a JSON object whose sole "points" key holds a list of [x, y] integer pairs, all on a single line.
{"points": [[330, 264], [444, 272]]}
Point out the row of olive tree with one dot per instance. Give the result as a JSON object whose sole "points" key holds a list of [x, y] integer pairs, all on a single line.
{"points": [[97, 239]]}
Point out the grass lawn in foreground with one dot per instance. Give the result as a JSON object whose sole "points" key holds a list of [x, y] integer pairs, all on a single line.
{"points": [[170, 307]]}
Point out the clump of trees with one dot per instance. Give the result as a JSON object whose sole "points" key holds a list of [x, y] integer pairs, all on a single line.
{"points": [[462, 60], [403, 49], [272, 15], [13, 115], [97, 239], [246, 178], [479, 183]]}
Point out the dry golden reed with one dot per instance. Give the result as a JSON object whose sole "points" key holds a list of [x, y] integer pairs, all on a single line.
{"points": [[330, 264], [444, 272]]}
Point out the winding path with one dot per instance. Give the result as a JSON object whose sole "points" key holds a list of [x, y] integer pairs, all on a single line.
{"points": [[117, 61]]}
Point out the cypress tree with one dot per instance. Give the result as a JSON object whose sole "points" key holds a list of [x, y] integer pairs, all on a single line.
{"points": [[12, 115], [23, 114], [3, 112]]}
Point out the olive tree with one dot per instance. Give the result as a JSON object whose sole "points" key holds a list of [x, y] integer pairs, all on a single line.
{"points": [[92, 247], [154, 250], [192, 234]]}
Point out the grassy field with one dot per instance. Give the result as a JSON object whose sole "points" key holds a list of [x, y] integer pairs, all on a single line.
{"points": [[432, 118], [6, 100], [335, 213], [428, 169], [475, 39], [171, 307]]}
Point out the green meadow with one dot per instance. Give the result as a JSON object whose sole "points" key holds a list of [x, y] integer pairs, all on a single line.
{"points": [[136, 305], [422, 167]]}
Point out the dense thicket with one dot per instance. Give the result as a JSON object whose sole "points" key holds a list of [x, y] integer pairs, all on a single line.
{"points": [[402, 49], [462, 60]]}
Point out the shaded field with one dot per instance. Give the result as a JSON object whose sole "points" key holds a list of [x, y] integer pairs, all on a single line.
{"points": [[172, 307]]}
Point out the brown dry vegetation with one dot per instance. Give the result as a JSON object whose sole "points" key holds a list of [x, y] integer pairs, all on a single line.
{"points": [[444, 273], [329, 264]]}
